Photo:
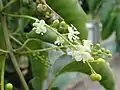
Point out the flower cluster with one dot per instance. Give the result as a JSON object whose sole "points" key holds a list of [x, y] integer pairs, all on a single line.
{"points": [[81, 52], [39, 27], [72, 35]]}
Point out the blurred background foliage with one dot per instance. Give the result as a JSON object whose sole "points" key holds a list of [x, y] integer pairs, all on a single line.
{"points": [[105, 12]]}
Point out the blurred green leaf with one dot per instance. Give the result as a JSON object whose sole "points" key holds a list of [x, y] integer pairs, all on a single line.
{"points": [[38, 65], [61, 62], [103, 69]]}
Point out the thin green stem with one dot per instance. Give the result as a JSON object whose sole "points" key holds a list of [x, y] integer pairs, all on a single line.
{"points": [[91, 68], [20, 16], [24, 44], [12, 56], [1, 5], [51, 84], [61, 36], [42, 50], [2, 74], [4, 51], [18, 41], [33, 51], [9, 3]]}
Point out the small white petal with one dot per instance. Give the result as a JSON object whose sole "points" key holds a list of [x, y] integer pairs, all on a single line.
{"points": [[37, 31], [86, 56], [42, 22], [77, 56]]}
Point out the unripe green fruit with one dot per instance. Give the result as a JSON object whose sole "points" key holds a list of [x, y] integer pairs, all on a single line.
{"points": [[98, 77], [9, 86], [100, 60], [95, 77], [92, 77]]}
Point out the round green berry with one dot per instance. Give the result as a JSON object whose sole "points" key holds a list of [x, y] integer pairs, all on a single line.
{"points": [[95, 53], [9, 86], [107, 51], [95, 77], [109, 55], [98, 45], [100, 60], [98, 77], [103, 49], [99, 51]]}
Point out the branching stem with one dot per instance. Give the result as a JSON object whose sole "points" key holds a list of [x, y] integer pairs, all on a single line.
{"points": [[12, 56]]}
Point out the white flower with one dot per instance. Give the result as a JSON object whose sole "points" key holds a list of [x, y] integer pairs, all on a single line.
{"points": [[59, 41], [82, 52], [39, 27], [72, 33], [87, 45]]}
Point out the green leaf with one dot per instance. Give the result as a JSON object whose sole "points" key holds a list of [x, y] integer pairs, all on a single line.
{"points": [[93, 4], [38, 64], [72, 13], [103, 69], [105, 10], [108, 21], [117, 27], [61, 62], [49, 36]]}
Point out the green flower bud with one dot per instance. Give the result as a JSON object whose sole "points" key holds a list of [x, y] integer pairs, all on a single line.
{"points": [[47, 15], [99, 51], [103, 49], [107, 51], [95, 53], [55, 23], [109, 55], [44, 8], [40, 7], [63, 24], [98, 45]]}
